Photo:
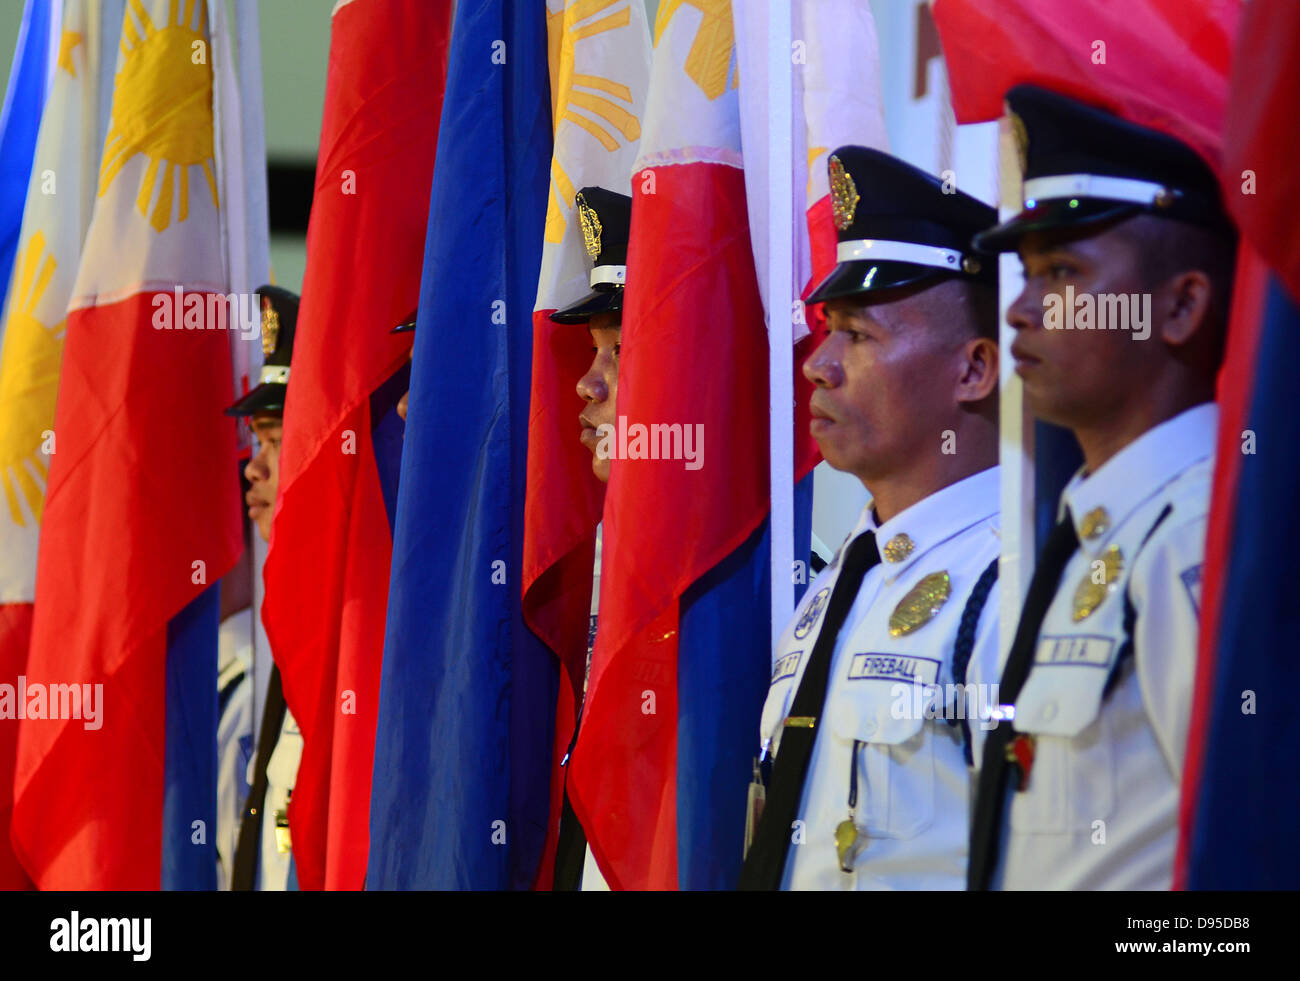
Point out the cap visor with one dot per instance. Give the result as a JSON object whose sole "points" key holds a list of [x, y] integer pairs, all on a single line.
{"points": [[1049, 215], [266, 397], [598, 301], [862, 276]]}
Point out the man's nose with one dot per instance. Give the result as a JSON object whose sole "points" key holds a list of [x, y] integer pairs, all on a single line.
{"points": [[591, 387], [823, 367], [256, 468], [1027, 310]]}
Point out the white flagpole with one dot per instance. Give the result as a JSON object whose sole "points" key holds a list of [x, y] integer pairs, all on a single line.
{"points": [[780, 295], [1016, 449]]}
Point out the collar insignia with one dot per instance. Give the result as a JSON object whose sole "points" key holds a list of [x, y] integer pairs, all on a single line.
{"points": [[1095, 523], [898, 548]]}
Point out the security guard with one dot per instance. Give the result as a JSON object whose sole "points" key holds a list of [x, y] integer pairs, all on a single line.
{"points": [[262, 856], [1079, 785], [605, 217], [873, 703]]}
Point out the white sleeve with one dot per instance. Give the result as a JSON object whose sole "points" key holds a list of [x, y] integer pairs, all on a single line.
{"points": [[1165, 590]]}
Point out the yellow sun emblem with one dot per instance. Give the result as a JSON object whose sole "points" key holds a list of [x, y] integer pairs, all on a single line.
{"points": [[162, 109], [584, 99], [29, 383]]}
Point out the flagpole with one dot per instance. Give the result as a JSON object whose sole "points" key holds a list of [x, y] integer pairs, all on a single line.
{"points": [[1016, 452], [780, 294]]}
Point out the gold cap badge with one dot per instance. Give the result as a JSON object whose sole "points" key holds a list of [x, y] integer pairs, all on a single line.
{"points": [[921, 603], [1098, 583], [1096, 522], [270, 327], [1021, 137], [898, 548], [590, 226], [844, 194]]}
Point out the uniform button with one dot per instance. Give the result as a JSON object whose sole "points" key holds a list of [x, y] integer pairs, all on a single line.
{"points": [[252, 812], [1049, 712], [869, 729]]}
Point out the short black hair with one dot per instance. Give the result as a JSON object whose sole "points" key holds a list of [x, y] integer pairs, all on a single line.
{"points": [[1166, 248]]}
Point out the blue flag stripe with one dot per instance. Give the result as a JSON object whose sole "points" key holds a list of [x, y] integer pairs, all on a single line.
{"points": [[462, 752], [189, 857], [20, 122], [1244, 836]]}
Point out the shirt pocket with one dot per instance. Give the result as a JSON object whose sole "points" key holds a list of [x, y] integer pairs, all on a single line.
{"points": [[895, 763], [1072, 779]]}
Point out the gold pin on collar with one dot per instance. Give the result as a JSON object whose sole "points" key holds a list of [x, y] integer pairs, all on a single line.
{"points": [[590, 223], [921, 603], [844, 194], [898, 548], [1098, 583], [1095, 523]]}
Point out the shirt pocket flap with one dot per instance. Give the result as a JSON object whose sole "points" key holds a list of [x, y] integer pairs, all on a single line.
{"points": [[879, 711], [1063, 693], [780, 695]]}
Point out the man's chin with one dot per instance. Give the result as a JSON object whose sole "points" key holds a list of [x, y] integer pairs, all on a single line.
{"points": [[601, 469], [264, 526]]}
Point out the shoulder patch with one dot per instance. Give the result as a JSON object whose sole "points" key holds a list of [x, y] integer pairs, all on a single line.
{"points": [[812, 612], [1191, 578]]}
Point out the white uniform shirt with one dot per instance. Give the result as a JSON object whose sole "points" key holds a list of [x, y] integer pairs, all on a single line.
{"points": [[234, 734], [281, 774], [914, 791], [1100, 809]]}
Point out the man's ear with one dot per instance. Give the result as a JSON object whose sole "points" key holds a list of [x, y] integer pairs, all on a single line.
{"points": [[1186, 302], [979, 370]]}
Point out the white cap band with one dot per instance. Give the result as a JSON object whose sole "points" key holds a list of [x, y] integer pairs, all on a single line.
{"points": [[275, 373], [609, 274], [874, 249], [1093, 186]]}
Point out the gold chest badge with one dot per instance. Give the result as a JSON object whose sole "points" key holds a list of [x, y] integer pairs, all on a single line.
{"points": [[590, 223], [270, 327], [844, 194], [1098, 583], [921, 603]]}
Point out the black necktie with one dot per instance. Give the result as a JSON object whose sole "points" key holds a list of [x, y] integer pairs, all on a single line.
{"points": [[991, 798], [765, 863], [248, 849]]}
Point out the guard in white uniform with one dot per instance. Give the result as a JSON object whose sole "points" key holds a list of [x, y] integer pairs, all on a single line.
{"points": [[874, 710], [605, 217], [262, 855], [1079, 787]]}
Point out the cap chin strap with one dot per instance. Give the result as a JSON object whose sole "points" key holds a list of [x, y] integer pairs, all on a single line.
{"points": [[275, 373], [1094, 186], [609, 274], [874, 249]]}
